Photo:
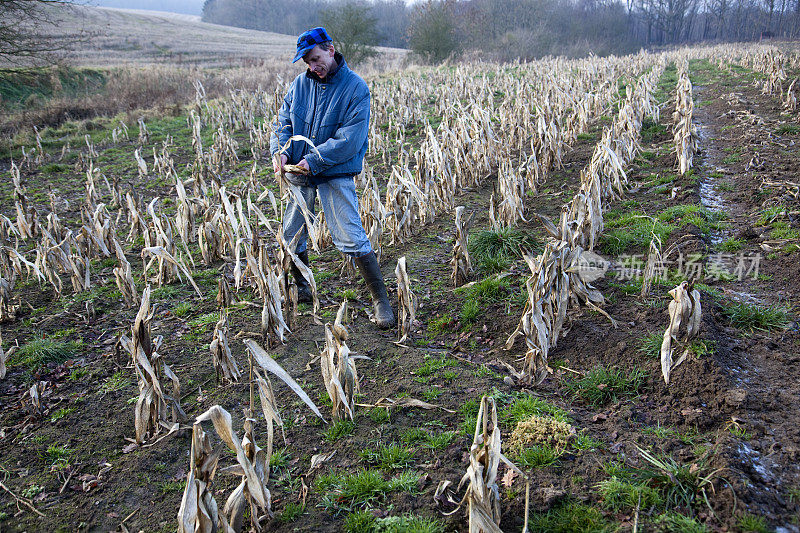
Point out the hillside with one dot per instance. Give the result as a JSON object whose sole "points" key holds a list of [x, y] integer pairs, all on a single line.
{"points": [[108, 36]]}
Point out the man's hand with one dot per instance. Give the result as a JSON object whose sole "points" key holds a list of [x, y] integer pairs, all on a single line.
{"points": [[275, 166], [303, 163]]}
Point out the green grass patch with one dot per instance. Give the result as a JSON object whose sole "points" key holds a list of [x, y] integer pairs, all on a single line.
{"points": [[788, 129], [751, 316], [631, 230], [361, 489], [782, 230], [525, 405], [673, 522], [338, 430], [182, 309], [539, 456], [439, 441], [493, 251], [698, 215], [388, 456], [650, 345], [61, 413], [601, 385], [624, 495], [117, 381], [31, 87], [432, 364], [585, 443], [681, 485], [731, 244], [750, 523], [56, 453], [652, 131], [367, 522], [291, 512], [570, 517], [42, 350]]}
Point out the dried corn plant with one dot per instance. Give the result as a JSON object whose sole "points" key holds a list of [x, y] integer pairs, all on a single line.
{"points": [[684, 309], [338, 368], [511, 188], [123, 275], [558, 277], [2, 357], [224, 297], [684, 131], [407, 301], [199, 510], [262, 358], [274, 325], [143, 133], [461, 262], [482, 494], [790, 98], [141, 164], [8, 311], [168, 265], [224, 363], [154, 404], [655, 265]]}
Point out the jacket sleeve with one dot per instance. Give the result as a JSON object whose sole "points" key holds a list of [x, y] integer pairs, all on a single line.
{"points": [[348, 140], [284, 130]]}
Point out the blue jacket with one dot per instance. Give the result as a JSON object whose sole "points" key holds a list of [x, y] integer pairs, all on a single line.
{"points": [[334, 114]]}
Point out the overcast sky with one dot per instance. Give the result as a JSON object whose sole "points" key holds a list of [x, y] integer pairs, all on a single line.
{"points": [[188, 7]]}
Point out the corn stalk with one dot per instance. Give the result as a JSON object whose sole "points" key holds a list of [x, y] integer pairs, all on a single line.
{"points": [[154, 402], [224, 363], [461, 262], [338, 368], [482, 494], [683, 309], [407, 301]]}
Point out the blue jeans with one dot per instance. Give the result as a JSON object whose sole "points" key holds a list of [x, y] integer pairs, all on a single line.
{"points": [[340, 205]]}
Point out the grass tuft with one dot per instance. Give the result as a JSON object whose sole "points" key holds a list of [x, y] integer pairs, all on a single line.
{"points": [[569, 518], [650, 345], [493, 250], [623, 495], [602, 385], [389, 456], [750, 316], [43, 350], [338, 430]]}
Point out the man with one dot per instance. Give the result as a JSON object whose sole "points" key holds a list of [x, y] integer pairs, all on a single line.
{"points": [[328, 104]]}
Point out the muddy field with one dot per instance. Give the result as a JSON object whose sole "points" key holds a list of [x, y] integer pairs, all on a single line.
{"points": [[724, 436]]}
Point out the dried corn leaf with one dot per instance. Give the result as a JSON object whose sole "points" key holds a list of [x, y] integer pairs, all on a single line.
{"points": [[267, 363]]}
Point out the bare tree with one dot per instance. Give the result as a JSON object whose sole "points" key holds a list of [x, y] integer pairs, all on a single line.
{"points": [[20, 25], [352, 28]]}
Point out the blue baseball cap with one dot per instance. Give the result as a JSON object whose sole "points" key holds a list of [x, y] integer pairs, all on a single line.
{"points": [[308, 40]]}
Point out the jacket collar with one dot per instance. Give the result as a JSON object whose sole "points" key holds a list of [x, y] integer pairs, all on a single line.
{"points": [[336, 75]]}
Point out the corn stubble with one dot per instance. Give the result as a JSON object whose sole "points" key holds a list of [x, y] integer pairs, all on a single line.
{"points": [[482, 495], [154, 405], [684, 310], [407, 301], [338, 365]]}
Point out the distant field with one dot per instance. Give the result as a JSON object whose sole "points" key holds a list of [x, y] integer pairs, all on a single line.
{"points": [[109, 36], [121, 60]]}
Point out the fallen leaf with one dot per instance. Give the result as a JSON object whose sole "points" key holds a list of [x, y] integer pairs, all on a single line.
{"points": [[508, 478]]}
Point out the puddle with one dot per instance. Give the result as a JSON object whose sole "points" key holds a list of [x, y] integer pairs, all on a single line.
{"points": [[709, 197]]}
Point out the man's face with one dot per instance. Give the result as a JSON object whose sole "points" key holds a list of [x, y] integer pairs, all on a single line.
{"points": [[319, 61]]}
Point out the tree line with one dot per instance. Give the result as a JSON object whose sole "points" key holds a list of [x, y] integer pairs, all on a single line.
{"points": [[511, 29]]}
